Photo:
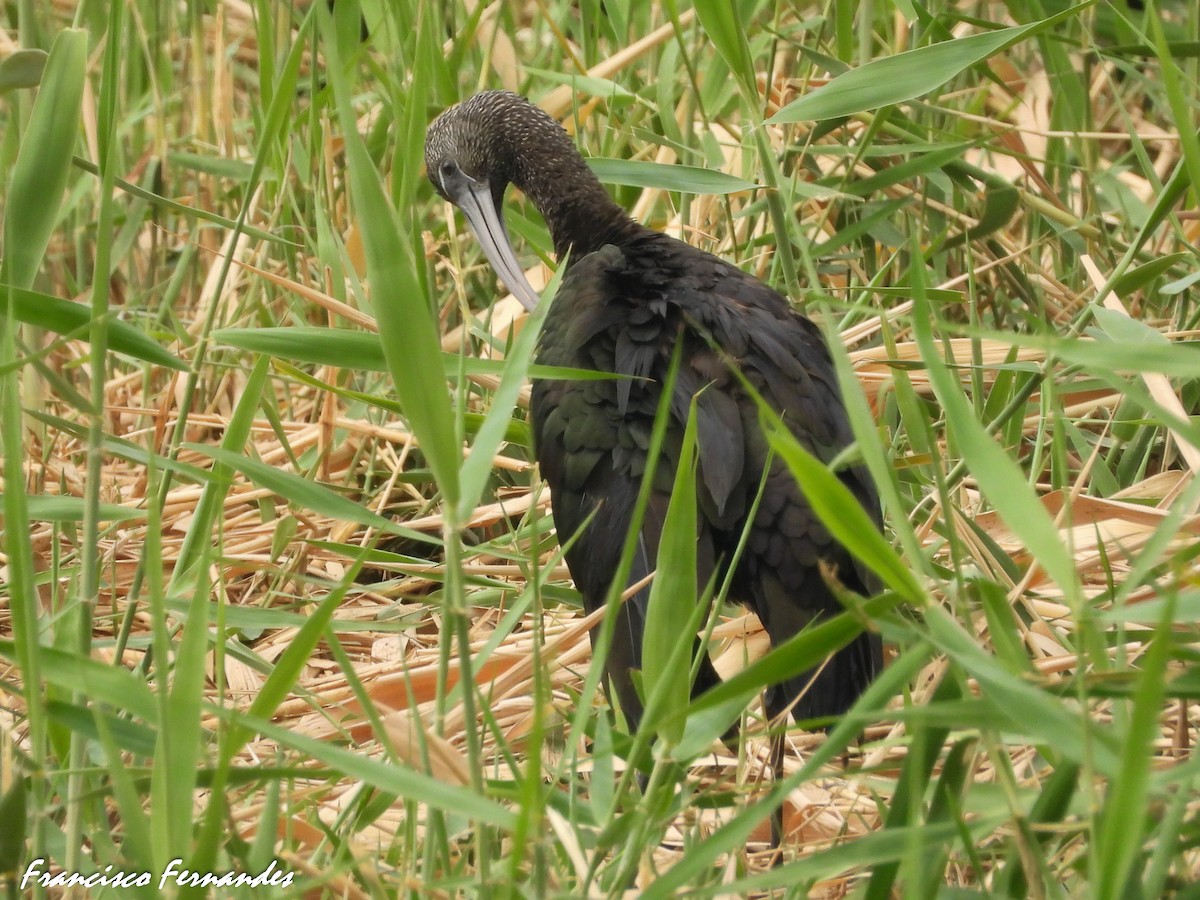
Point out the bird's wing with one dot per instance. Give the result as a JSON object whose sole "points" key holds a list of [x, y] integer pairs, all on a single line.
{"points": [[789, 550], [624, 313], [618, 313], [593, 443], [784, 357]]}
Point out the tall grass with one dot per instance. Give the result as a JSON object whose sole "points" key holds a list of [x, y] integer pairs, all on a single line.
{"points": [[279, 581]]}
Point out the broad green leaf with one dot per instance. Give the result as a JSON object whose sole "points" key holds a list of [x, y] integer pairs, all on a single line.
{"points": [[687, 179], [110, 685], [908, 75], [585, 84], [22, 69], [477, 469], [39, 175], [222, 167], [73, 319], [407, 328], [672, 607], [1041, 715], [379, 774], [359, 350], [872, 222], [1000, 201], [926, 161], [13, 836], [722, 26], [1185, 608], [35, 188], [51, 508], [795, 655], [1138, 277], [1144, 354], [1179, 285], [999, 477], [302, 492], [841, 512], [1123, 819], [1128, 331], [128, 735], [867, 852]]}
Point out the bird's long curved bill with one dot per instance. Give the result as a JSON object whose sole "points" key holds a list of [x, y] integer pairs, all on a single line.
{"points": [[475, 200]]}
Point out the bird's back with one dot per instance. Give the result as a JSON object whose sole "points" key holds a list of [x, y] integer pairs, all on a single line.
{"points": [[622, 310]]}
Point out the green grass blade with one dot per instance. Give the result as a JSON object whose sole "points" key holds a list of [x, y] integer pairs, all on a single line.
{"points": [[111, 686], [688, 179], [1123, 820], [22, 69], [866, 853], [201, 528], [666, 650], [13, 811], [35, 186], [477, 469], [304, 493], [283, 677], [1033, 711], [182, 209], [842, 514], [794, 656], [1052, 808], [1182, 105], [999, 477], [136, 845], [73, 319], [49, 508], [407, 327], [360, 351], [384, 776], [909, 75], [725, 29], [39, 175], [905, 810]]}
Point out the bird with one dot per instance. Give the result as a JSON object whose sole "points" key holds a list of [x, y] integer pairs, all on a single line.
{"points": [[629, 299]]}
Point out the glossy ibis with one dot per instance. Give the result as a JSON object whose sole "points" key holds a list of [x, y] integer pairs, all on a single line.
{"points": [[629, 295]]}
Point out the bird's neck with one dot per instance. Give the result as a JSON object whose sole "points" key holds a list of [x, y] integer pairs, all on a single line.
{"points": [[578, 211]]}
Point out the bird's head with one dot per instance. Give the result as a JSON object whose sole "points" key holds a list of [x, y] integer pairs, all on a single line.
{"points": [[465, 147], [470, 160]]}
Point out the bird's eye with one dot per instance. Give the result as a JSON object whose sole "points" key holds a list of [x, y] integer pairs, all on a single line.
{"points": [[448, 168]]}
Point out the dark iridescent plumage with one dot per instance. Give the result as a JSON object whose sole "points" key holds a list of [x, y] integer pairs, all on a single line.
{"points": [[628, 296]]}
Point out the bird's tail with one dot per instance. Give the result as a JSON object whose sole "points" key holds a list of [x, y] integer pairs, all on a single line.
{"points": [[832, 688]]}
